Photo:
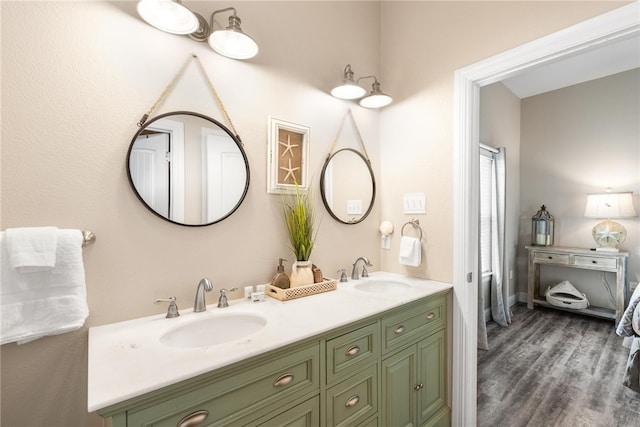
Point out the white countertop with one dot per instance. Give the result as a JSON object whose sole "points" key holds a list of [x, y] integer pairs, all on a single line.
{"points": [[127, 359]]}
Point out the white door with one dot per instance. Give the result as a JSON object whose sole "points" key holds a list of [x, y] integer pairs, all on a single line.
{"points": [[224, 174], [149, 165]]}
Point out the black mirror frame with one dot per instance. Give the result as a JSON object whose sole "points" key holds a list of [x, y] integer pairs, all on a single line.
{"points": [[223, 127], [373, 184]]}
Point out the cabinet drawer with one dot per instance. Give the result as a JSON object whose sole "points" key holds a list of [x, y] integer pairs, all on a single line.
{"points": [[409, 326], [351, 352], [370, 423], [235, 396], [596, 262], [544, 257], [354, 399], [306, 414]]}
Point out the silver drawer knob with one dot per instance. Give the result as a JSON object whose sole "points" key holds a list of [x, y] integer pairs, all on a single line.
{"points": [[431, 315], [352, 351], [194, 419], [418, 387], [399, 329], [282, 380], [352, 401]]}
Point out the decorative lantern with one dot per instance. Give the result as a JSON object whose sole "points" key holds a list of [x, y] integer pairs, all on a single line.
{"points": [[542, 228]]}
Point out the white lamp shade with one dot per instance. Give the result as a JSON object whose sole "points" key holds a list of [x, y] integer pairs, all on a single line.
{"points": [[233, 44], [168, 16], [610, 205], [348, 90], [378, 100]]}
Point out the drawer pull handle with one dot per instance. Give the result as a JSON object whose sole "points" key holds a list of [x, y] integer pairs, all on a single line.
{"points": [[194, 419], [431, 315], [550, 257], [352, 401], [353, 350], [419, 387], [594, 261], [282, 380], [399, 329]]}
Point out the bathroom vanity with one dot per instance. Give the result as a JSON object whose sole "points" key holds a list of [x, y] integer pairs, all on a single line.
{"points": [[371, 353]]}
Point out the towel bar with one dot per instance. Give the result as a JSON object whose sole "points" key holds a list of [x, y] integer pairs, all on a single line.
{"points": [[87, 237], [415, 223]]}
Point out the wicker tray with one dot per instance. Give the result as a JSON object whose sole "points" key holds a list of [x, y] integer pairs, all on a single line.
{"points": [[302, 291]]}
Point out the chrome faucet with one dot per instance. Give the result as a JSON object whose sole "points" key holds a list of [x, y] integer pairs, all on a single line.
{"points": [[222, 301], [200, 304], [172, 311], [365, 273]]}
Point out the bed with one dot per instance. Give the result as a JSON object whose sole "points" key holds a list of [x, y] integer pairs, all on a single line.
{"points": [[629, 328]]}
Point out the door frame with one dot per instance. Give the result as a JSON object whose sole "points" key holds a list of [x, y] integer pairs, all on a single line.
{"points": [[619, 23]]}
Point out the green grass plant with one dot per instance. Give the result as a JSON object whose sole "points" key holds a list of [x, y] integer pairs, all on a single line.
{"points": [[299, 218]]}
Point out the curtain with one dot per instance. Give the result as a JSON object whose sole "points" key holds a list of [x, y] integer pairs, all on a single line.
{"points": [[498, 291]]}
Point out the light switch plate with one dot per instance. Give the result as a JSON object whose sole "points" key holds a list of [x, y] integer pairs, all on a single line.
{"points": [[415, 203], [354, 207]]}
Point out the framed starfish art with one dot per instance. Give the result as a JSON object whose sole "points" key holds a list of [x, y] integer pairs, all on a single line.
{"points": [[288, 156]]}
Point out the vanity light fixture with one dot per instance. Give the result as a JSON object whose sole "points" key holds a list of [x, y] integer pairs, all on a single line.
{"points": [[376, 98], [173, 17], [609, 234], [350, 89], [168, 15]]}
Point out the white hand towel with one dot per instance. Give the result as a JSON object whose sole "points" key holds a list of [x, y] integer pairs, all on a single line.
{"points": [[32, 249], [410, 251], [45, 302]]}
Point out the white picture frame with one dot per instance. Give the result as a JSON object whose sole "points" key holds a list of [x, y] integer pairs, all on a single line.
{"points": [[287, 157]]}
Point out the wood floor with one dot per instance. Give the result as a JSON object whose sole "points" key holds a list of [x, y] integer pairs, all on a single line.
{"points": [[553, 368]]}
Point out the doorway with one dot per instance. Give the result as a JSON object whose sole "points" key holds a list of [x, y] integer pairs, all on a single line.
{"points": [[606, 28]]}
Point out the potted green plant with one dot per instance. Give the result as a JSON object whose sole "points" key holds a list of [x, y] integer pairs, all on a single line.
{"points": [[299, 219]]}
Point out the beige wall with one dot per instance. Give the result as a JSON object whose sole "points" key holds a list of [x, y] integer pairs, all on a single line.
{"points": [[422, 44], [70, 104], [77, 76], [578, 140]]}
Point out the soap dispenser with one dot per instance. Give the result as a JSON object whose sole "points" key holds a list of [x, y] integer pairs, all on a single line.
{"points": [[281, 280]]}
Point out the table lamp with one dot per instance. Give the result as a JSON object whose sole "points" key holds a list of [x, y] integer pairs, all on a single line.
{"points": [[609, 234]]}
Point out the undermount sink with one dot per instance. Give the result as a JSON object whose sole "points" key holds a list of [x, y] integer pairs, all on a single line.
{"points": [[213, 330], [382, 286]]}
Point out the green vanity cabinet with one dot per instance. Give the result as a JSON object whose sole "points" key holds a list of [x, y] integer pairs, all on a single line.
{"points": [[251, 393], [389, 369], [414, 366]]}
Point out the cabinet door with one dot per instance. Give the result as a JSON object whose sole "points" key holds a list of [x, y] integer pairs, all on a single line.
{"points": [[432, 369], [398, 381]]}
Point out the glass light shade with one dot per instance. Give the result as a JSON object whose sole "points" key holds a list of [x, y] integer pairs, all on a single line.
{"points": [[610, 205], [376, 100], [233, 44], [168, 16], [348, 90]]}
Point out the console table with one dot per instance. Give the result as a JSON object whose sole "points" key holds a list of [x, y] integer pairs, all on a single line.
{"points": [[614, 262]]}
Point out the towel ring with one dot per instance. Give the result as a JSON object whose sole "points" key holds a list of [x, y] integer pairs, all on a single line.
{"points": [[415, 223]]}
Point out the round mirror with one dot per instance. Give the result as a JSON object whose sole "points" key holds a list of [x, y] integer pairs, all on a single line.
{"points": [[188, 168], [348, 186]]}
